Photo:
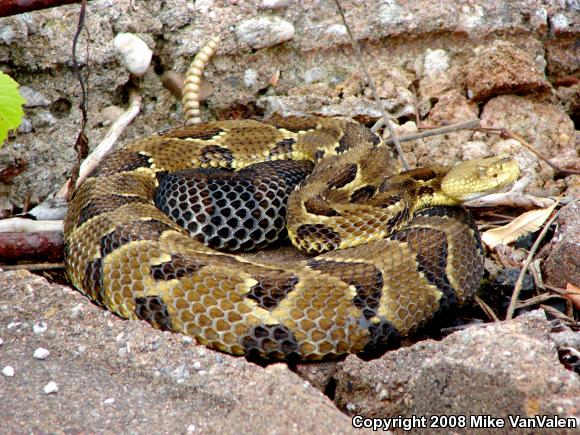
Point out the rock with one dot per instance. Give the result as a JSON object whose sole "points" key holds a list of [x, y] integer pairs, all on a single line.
{"points": [[265, 31], [435, 62], [134, 51], [110, 114], [151, 381], [508, 368], [543, 124], [43, 118], [503, 68], [25, 126], [563, 263], [33, 98], [275, 4]]}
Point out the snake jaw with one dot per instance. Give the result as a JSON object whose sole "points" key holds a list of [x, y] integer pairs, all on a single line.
{"points": [[477, 178]]}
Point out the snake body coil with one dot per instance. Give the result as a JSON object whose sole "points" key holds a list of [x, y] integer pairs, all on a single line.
{"points": [[397, 253]]}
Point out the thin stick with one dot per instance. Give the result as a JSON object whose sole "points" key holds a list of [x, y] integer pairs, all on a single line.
{"points": [[108, 141], [474, 123], [486, 309], [33, 267], [371, 83], [519, 282], [538, 299], [507, 134], [558, 314], [22, 225]]}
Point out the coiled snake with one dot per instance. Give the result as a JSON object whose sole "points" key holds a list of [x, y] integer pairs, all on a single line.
{"points": [[391, 253]]}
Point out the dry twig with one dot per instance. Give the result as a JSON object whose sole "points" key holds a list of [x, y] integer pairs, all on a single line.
{"points": [[486, 309], [35, 267], [107, 143], [519, 282], [22, 225], [507, 134]]}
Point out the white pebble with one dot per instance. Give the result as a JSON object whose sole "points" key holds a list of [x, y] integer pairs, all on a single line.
{"points": [[109, 401], [41, 353], [1, 342], [8, 371], [436, 61], [275, 4], [134, 51], [50, 388], [265, 31], [39, 327], [560, 22], [196, 365], [186, 340]]}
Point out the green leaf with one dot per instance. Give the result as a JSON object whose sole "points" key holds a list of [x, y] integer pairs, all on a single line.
{"points": [[11, 102]]}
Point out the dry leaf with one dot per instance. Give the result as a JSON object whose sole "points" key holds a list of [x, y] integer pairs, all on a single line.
{"points": [[525, 223], [573, 295], [275, 77]]}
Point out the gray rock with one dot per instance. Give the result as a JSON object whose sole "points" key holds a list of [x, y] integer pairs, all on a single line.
{"points": [[33, 98], [43, 118], [25, 126], [157, 384], [508, 368], [563, 263], [265, 31]]}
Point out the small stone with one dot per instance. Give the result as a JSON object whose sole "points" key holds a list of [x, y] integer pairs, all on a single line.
{"points": [[250, 78], [43, 119], [39, 327], [25, 126], [186, 339], [6, 35], [265, 31], [336, 29], [111, 113], [50, 388], [560, 23], [8, 371], [134, 51], [41, 353], [1, 342], [191, 428], [275, 4], [33, 98], [109, 401], [436, 62]]}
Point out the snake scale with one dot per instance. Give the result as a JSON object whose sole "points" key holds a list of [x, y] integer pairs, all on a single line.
{"points": [[154, 233]]}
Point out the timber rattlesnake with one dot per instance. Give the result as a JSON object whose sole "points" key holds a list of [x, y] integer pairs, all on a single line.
{"points": [[397, 254]]}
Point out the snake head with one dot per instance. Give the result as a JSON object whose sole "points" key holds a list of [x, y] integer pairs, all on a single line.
{"points": [[477, 178]]}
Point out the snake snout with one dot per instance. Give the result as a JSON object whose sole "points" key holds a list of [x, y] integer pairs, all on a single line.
{"points": [[477, 178]]}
